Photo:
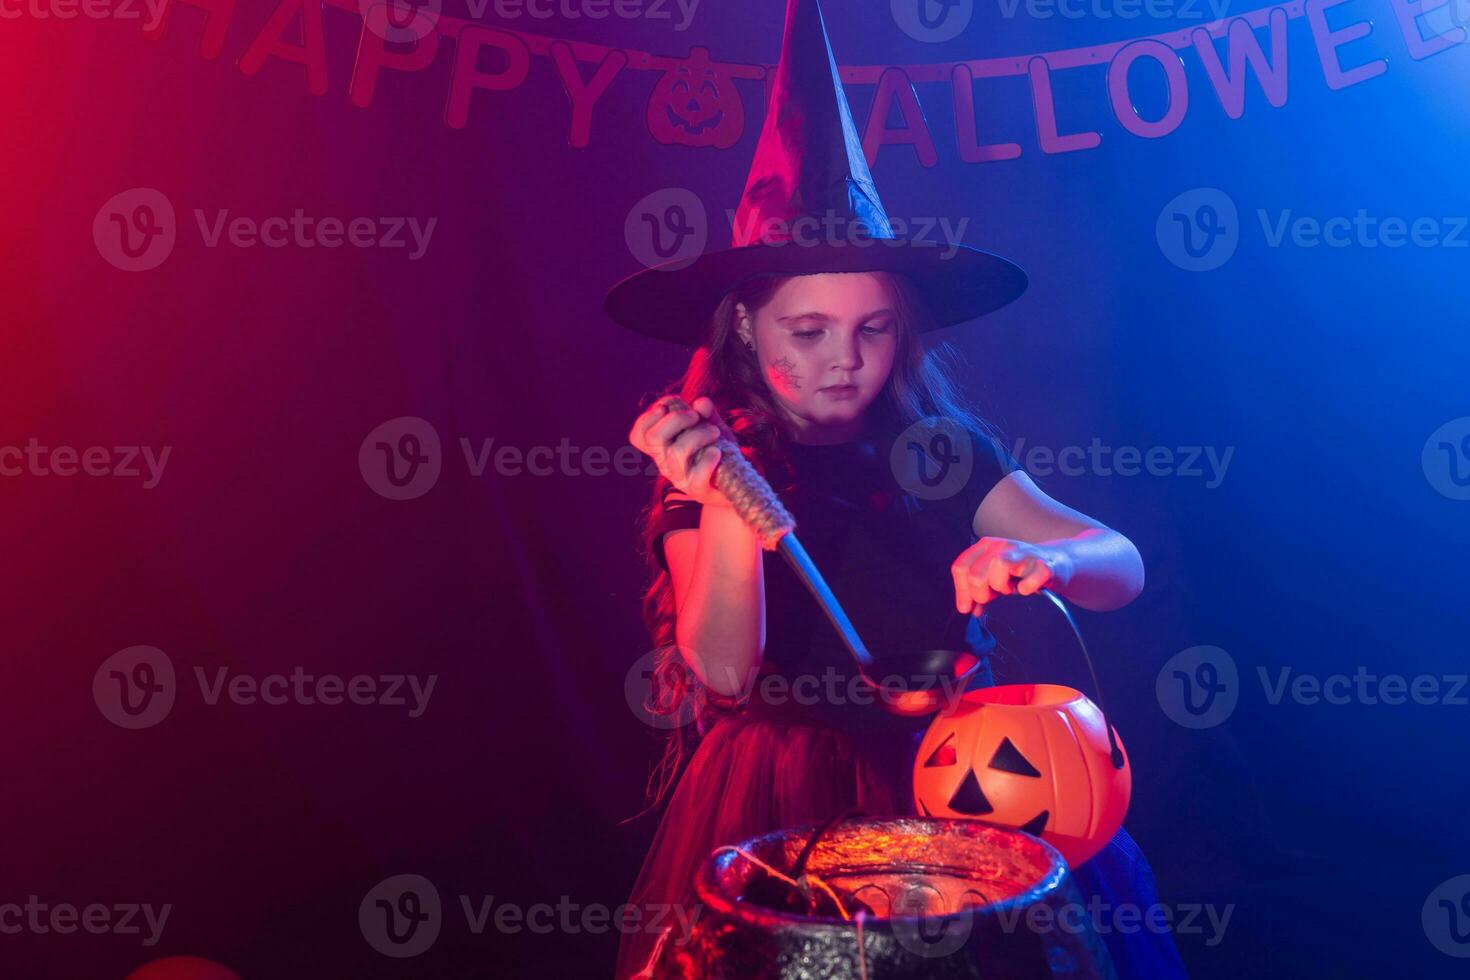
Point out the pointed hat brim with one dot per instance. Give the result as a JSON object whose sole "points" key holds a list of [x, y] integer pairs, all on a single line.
{"points": [[675, 301]]}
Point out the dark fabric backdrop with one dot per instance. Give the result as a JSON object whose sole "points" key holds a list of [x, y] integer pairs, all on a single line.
{"points": [[263, 548]]}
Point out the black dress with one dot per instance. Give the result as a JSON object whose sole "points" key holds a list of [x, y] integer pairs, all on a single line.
{"points": [[804, 747]]}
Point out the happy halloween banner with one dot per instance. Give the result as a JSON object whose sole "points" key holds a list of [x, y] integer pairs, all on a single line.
{"points": [[696, 103]]}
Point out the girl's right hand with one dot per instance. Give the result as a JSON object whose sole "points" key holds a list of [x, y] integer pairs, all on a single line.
{"points": [[680, 439]]}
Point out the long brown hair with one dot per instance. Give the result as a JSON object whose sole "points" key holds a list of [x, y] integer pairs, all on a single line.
{"points": [[922, 384]]}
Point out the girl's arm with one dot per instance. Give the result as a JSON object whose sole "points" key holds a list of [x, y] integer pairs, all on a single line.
{"points": [[717, 571], [1028, 540], [719, 591]]}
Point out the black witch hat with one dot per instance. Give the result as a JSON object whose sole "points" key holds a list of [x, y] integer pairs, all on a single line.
{"points": [[810, 206]]}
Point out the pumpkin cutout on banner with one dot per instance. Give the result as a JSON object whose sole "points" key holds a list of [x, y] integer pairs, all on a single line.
{"points": [[1041, 758], [696, 104]]}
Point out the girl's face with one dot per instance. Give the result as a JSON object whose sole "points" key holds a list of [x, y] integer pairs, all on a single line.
{"points": [[826, 344]]}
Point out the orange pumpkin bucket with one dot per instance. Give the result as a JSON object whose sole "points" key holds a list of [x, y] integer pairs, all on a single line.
{"points": [[1041, 758]]}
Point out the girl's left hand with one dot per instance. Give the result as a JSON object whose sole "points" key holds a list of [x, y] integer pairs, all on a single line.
{"points": [[988, 567]]}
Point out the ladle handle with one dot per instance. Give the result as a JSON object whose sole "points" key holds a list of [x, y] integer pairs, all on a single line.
{"points": [[751, 496], [756, 502]]}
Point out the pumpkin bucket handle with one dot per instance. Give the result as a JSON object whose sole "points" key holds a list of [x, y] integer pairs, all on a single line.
{"points": [[1117, 752]]}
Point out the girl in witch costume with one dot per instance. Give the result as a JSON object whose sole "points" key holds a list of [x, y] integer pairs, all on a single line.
{"points": [[809, 355]]}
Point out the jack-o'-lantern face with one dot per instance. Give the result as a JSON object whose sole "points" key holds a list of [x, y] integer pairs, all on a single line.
{"points": [[1031, 756], [969, 799], [696, 104]]}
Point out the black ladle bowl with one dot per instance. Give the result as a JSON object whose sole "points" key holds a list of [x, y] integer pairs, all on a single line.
{"points": [[917, 684]]}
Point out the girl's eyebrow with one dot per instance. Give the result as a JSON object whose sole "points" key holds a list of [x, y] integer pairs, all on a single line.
{"points": [[826, 318]]}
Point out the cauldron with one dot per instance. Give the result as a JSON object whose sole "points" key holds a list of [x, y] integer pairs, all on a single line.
{"points": [[948, 898]]}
